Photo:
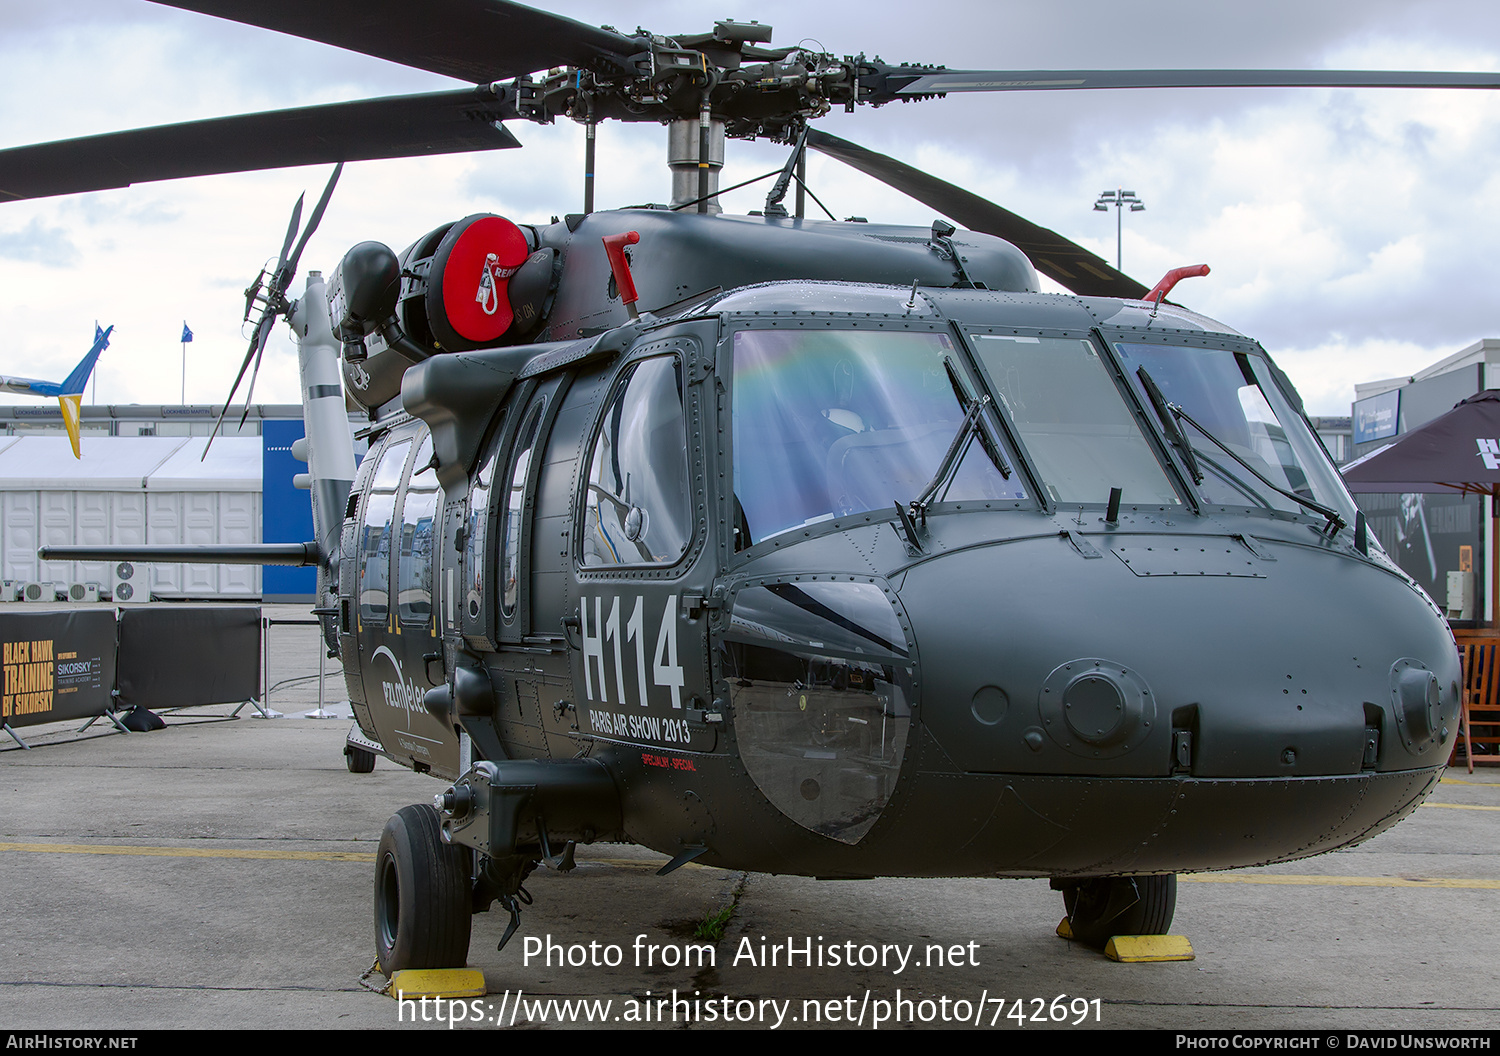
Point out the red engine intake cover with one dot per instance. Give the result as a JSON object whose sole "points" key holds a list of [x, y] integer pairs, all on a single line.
{"points": [[468, 296]]}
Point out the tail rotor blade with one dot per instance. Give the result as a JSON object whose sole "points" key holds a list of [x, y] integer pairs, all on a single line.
{"points": [[255, 342], [258, 342], [275, 299], [291, 231], [252, 353], [312, 222]]}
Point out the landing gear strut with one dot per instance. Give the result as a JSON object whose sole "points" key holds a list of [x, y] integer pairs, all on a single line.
{"points": [[423, 894], [1107, 906]]}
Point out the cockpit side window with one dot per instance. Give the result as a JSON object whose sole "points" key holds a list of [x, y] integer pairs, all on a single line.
{"points": [[637, 510]]}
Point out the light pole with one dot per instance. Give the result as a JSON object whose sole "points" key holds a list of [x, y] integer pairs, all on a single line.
{"points": [[1119, 199]]}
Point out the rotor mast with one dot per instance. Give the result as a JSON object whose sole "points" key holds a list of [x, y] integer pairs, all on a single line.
{"points": [[695, 156]]}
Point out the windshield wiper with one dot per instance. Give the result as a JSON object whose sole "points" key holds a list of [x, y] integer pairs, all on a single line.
{"points": [[1169, 424], [1335, 521], [916, 511], [967, 403], [951, 459], [1170, 413]]}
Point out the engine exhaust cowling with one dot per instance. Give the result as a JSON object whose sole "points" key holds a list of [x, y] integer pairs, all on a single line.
{"points": [[448, 292]]}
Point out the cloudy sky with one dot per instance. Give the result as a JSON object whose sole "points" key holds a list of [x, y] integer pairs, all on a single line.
{"points": [[1351, 232]]}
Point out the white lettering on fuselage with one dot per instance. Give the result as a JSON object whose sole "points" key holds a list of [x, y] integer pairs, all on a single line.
{"points": [[402, 693], [598, 630]]}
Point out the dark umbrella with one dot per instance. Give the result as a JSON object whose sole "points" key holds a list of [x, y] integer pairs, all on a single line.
{"points": [[1458, 452]]}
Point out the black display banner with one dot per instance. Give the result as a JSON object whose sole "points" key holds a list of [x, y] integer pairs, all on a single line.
{"points": [[179, 656], [56, 665]]}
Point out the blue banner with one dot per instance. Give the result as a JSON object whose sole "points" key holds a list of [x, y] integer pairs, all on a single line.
{"points": [[285, 511], [1377, 417]]}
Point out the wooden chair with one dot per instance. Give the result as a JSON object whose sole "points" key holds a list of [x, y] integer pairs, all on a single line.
{"points": [[1479, 714]]}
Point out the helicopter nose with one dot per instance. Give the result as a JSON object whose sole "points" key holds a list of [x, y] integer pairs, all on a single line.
{"points": [[1300, 662]]}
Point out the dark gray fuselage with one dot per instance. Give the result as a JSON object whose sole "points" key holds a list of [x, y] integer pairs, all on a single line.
{"points": [[1015, 687]]}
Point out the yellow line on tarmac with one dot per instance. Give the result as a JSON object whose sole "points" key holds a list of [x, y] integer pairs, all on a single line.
{"points": [[1274, 879], [645, 866], [190, 852], [291, 856], [1461, 781], [1460, 806], [1288, 879]]}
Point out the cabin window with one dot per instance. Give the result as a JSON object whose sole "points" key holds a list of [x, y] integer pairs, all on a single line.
{"points": [[637, 510], [1078, 427], [375, 535], [510, 558], [418, 516], [831, 422], [475, 534]]}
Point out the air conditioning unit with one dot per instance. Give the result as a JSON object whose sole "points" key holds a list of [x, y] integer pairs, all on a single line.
{"points": [[35, 591], [122, 587], [1460, 596], [10, 590], [83, 592]]}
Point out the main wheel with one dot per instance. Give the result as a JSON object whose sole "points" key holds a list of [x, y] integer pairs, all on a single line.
{"points": [[423, 894], [1120, 905], [358, 760]]}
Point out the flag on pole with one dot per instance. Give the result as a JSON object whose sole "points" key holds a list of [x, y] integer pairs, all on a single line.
{"points": [[187, 335]]}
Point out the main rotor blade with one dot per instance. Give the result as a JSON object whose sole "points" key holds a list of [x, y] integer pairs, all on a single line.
{"points": [[927, 82], [474, 40], [391, 127], [1064, 261]]}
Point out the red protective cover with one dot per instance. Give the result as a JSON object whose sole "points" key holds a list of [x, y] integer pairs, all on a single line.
{"points": [[476, 278], [1172, 278], [614, 249]]}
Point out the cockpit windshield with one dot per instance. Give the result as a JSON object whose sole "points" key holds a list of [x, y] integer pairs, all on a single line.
{"points": [[1233, 400], [833, 422], [1073, 418]]}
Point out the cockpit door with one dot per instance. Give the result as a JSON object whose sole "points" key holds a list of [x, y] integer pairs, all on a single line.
{"points": [[643, 563]]}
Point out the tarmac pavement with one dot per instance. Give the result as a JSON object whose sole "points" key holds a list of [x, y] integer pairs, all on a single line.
{"points": [[218, 874]]}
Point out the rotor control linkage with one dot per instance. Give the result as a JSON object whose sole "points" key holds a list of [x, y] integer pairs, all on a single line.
{"points": [[784, 181]]}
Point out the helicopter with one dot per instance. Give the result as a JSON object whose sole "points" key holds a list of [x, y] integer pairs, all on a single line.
{"points": [[821, 547]]}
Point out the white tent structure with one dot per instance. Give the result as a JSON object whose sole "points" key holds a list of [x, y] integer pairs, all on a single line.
{"points": [[128, 490]]}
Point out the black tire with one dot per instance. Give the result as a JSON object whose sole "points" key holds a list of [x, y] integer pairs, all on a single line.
{"points": [[1120, 905], [358, 760], [423, 894]]}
